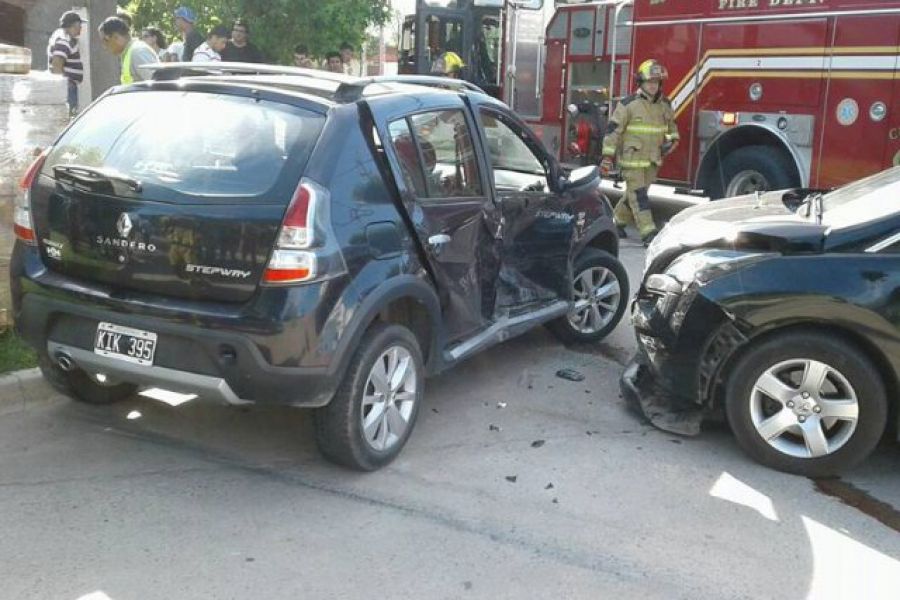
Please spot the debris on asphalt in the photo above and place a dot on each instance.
(570, 375)
(493, 427)
(435, 411)
(537, 443)
(512, 478)
(501, 405)
(549, 486)
(589, 432)
(526, 379)
(556, 501)
(674, 441)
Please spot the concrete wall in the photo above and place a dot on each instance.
(42, 19)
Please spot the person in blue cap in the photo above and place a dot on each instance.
(184, 22)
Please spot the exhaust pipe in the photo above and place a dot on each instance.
(65, 362)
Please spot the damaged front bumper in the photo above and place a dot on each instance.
(640, 389)
(683, 340)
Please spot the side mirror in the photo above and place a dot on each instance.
(580, 177)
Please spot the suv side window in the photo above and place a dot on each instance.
(451, 166)
(408, 155)
(514, 163)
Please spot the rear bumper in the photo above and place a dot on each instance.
(210, 388)
(223, 365)
(228, 357)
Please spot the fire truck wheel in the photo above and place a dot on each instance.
(754, 169)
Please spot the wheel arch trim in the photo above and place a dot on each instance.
(889, 370)
(730, 138)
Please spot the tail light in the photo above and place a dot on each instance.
(303, 248)
(23, 225)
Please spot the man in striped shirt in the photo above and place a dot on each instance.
(63, 56)
(210, 50)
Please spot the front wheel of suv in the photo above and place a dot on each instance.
(806, 403)
(82, 387)
(600, 291)
(373, 412)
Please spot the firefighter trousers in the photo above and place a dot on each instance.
(634, 206)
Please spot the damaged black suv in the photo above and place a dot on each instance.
(783, 311)
(295, 237)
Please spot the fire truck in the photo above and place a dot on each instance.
(767, 93)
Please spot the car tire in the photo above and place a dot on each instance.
(341, 431)
(79, 386)
(590, 269)
(753, 168)
(792, 434)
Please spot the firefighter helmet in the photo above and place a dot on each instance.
(448, 63)
(649, 70)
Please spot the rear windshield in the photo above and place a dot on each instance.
(190, 145)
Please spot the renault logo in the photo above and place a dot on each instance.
(124, 225)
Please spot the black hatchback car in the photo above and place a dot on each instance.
(783, 309)
(295, 237)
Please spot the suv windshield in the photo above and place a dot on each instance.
(865, 200)
(192, 144)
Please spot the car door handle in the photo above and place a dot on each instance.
(439, 239)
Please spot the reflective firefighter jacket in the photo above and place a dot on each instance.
(638, 129)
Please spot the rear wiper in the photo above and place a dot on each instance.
(89, 175)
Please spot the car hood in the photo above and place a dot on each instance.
(750, 223)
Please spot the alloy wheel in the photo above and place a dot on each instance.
(804, 408)
(389, 398)
(597, 297)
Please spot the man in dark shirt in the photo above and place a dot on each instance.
(239, 49)
(184, 22)
(64, 58)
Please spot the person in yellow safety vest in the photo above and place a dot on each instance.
(639, 136)
(133, 53)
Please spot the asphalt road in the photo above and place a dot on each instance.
(573, 497)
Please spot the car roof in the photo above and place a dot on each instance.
(322, 86)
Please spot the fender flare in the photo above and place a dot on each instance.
(396, 288)
(602, 226)
(772, 134)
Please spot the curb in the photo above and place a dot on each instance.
(24, 390)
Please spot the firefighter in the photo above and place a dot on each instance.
(449, 64)
(640, 134)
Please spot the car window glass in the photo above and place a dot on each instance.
(514, 164)
(451, 167)
(408, 157)
(195, 144)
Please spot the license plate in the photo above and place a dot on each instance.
(125, 343)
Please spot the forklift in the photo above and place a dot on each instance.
(473, 29)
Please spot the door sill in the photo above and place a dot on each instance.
(505, 328)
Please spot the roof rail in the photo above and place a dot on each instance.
(353, 90)
(170, 71)
(350, 89)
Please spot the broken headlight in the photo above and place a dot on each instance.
(703, 266)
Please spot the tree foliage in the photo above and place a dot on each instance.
(276, 26)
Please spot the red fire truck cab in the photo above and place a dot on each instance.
(776, 93)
